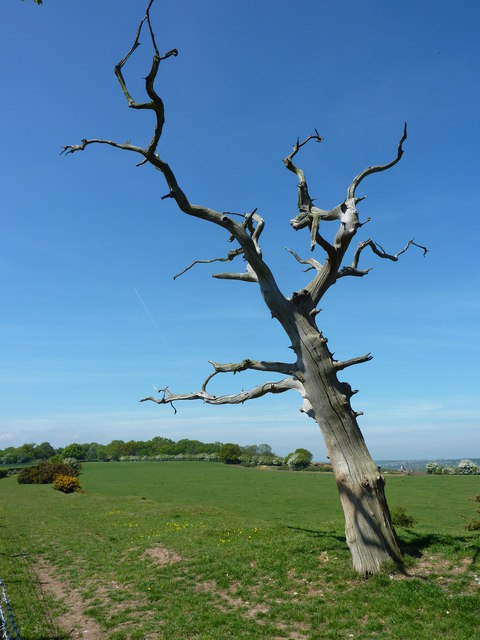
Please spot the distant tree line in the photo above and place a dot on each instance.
(159, 449)
(115, 450)
(463, 468)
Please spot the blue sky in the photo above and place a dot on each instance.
(92, 318)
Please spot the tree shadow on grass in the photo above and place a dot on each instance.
(411, 543)
(317, 533)
(336, 539)
(414, 544)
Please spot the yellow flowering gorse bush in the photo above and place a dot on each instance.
(67, 484)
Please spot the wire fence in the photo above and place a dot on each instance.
(8, 630)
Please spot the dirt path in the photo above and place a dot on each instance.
(74, 621)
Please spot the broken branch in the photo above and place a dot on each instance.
(228, 258)
(343, 364)
(247, 276)
(254, 365)
(126, 146)
(350, 271)
(380, 251)
(239, 398)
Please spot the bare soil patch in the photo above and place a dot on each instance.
(73, 621)
(445, 571)
(162, 556)
(228, 600)
(228, 597)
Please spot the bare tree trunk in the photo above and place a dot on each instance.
(368, 528)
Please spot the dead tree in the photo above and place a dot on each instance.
(313, 374)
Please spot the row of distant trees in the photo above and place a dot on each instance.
(115, 450)
(158, 449)
(463, 468)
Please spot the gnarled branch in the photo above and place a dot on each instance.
(314, 264)
(238, 398)
(249, 274)
(377, 168)
(126, 146)
(309, 215)
(228, 258)
(247, 241)
(350, 271)
(380, 251)
(303, 195)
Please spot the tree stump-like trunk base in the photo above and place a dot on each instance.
(369, 533)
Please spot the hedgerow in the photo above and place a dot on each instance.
(45, 472)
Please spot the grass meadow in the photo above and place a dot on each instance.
(205, 550)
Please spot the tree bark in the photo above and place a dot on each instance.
(368, 529)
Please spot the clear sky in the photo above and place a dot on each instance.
(92, 318)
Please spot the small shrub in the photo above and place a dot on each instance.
(474, 525)
(466, 467)
(431, 467)
(299, 459)
(400, 518)
(67, 484)
(46, 472)
(3, 473)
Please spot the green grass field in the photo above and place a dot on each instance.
(204, 550)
